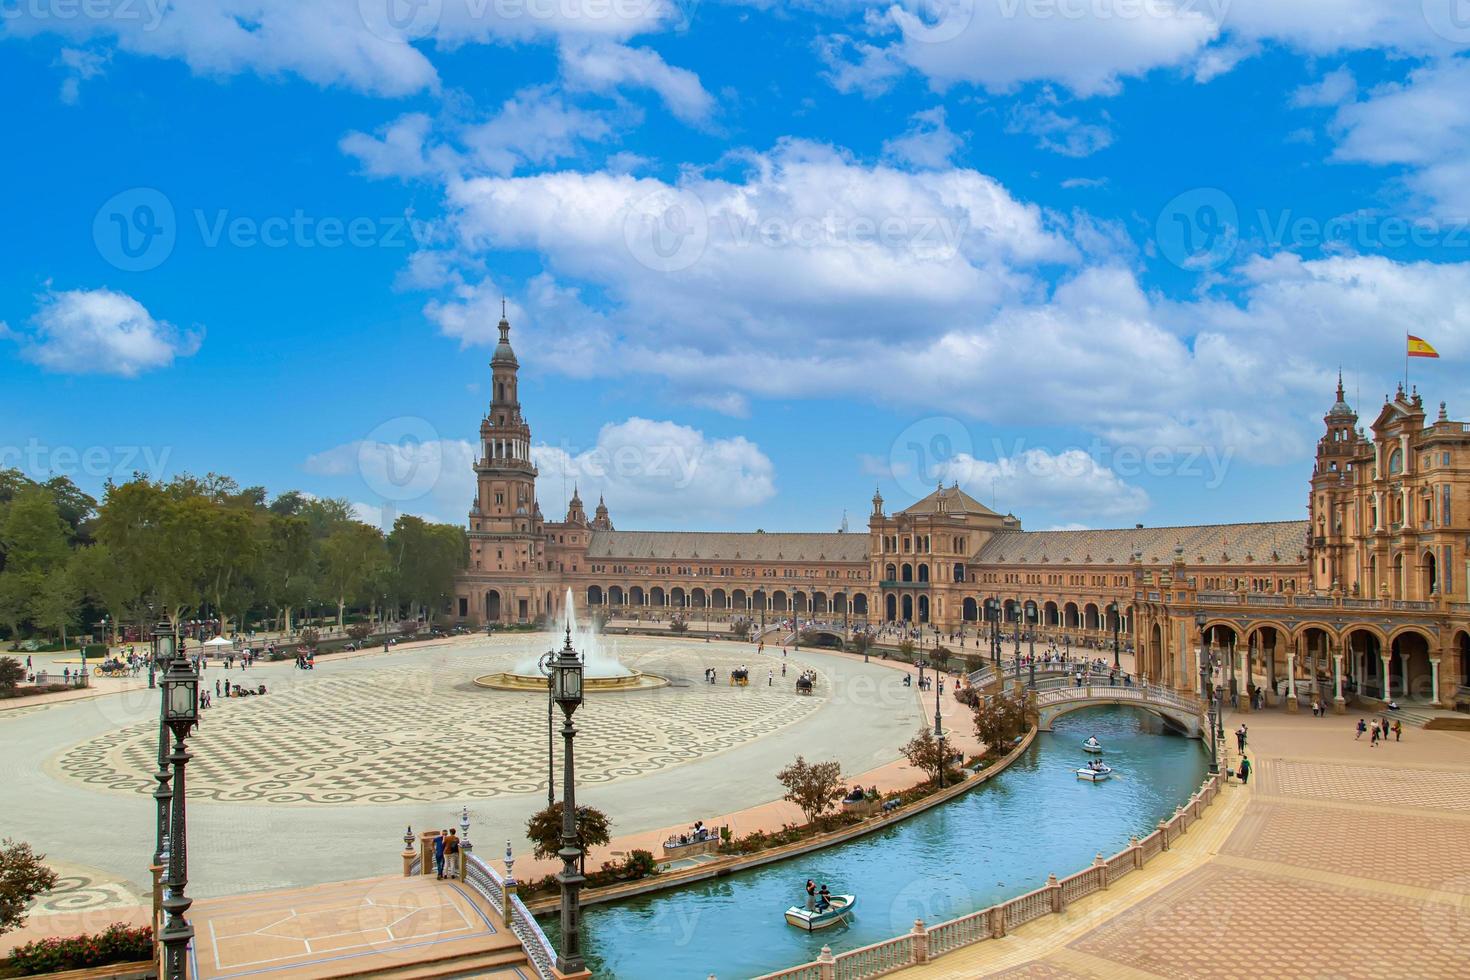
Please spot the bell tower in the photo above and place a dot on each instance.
(506, 499)
(1331, 501)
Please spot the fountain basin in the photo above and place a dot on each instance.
(506, 680)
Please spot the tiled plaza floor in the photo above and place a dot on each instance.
(1339, 860)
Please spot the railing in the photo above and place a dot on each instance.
(964, 931)
(1413, 605)
(533, 940)
(1146, 693)
(925, 943)
(483, 879)
(876, 960)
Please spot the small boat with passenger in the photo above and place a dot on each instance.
(822, 913)
(1095, 771)
(1092, 745)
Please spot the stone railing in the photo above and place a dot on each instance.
(491, 886)
(926, 942)
(533, 940)
(1146, 693)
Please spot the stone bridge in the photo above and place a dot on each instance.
(1178, 712)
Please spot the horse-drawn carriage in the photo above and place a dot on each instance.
(804, 685)
(740, 678)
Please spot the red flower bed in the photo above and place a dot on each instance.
(118, 943)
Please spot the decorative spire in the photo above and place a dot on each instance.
(1443, 417)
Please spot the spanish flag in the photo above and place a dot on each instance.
(1419, 347)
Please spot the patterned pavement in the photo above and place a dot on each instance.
(424, 733)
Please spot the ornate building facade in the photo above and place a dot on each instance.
(1361, 599)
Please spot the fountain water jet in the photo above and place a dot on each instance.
(601, 669)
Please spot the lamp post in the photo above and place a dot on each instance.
(1117, 664)
(993, 607)
(384, 608)
(546, 669)
(1207, 694)
(1031, 643)
(566, 684)
(180, 714)
(938, 727)
(163, 640)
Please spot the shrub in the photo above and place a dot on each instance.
(23, 876)
(11, 673)
(679, 626)
(813, 786)
(359, 631)
(118, 943)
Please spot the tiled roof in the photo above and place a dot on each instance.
(948, 500)
(727, 546)
(1206, 544)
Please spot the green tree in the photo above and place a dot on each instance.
(998, 720)
(352, 558)
(923, 752)
(813, 786)
(543, 830)
(425, 558)
(23, 876)
(11, 673)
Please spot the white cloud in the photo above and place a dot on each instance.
(80, 65)
(604, 66)
(99, 331)
(1333, 88)
(1085, 47)
(1067, 135)
(928, 143)
(352, 43)
(1070, 482)
(1422, 124)
(663, 473)
(402, 467)
(535, 127)
(400, 148)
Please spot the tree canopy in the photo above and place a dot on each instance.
(202, 547)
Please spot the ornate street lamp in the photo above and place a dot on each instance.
(180, 714)
(938, 727)
(384, 610)
(163, 646)
(566, 688)
(1207, 694)
(1117, 664)
(1031, 643)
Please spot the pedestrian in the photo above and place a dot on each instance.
(1240, 738)
(451, 851)
(1398, 730)
(439, 843)
(783, 669)
(216, 687)
(1362, 727)
(1244, 772)
(770, 678)
(1373, 739)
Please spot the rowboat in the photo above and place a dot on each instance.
(1092, 745)
(812, 920)
(1095, 775)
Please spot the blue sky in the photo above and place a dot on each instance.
(1096, 260)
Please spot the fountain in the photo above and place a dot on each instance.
(601, 669)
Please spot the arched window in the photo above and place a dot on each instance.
(1396, 461)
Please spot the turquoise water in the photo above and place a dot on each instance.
(994, 843)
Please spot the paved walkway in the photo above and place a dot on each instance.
(1338, 860)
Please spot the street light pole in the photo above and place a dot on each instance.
(181, 714)
(1207, 695)
(567, 688)
(1117, 664)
